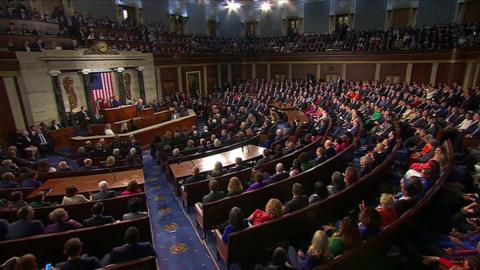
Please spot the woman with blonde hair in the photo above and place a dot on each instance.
(273, 210)
(319, 252)
(217, 143)
(110, 161)
(234, 187)
(386, 209)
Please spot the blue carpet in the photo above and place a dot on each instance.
(177, 244)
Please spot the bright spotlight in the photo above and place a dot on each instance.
(232, 5)
(265, 6)
(282, 2)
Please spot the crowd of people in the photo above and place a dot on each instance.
(154, 37)
(424, 115)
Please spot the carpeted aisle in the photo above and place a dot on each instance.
(175, 239)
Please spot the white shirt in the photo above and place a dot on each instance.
(109, 131)
(465, 124)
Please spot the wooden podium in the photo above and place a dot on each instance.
(112, 115)
(61, 137)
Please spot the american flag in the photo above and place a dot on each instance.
(101, 85)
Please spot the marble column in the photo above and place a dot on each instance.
(121, 85)
(57, 91)
(141, 83)
(86, 84)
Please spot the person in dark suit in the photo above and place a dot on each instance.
(3, 229)
(104, 192)
(41, 141)
(298, 201)
(329, 149)
(83, 118)
(116, 102)
(195, 177)
(132, 249)
(321, 156)
(97, 218)
(73, 250)
(263, 160)
(88, 165)
(279, 175)
(215, 192)
(238, 165)
(25, 225)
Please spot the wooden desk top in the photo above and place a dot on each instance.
(205, 164)
(281, 106)
(89, 183)
(121, 107)
(191, 114)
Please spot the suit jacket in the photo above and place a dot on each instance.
(104, 195)
(236, 168)
(213, 196)
(23, 228)
(84, 262)
(131, 252)
(277, 177)
(97, 220)
(194, 178)
(295, 203)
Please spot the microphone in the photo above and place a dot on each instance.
(113, 174)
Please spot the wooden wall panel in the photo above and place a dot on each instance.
(421, 73)
(393, 69)
(330, 69)
(261, 71)
(7, 122)
(237, 72)
(192, 69)
(212, 77)
(450, 73)
(361, 72)
(299, 71)
(279, 70)
(169, 80)
(471, 11)
(246, 72)
(224, 73)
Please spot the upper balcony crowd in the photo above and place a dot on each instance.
(129, 35)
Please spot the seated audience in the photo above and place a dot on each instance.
(298, 201)
(97, 217)
(370, 222)
(25, 225)
(257, 182)
(238, 165)
(132, 188)
(104, 192)
(195, 177)
(215, 192)
(234, 187)
(320, 192)
(347, 237)
(273, 210)
(135, 206)
(337, 184)
(75, 259)
(72, 196)
(38, 200)
(386, 209)
(279, 175)
(63, 167)
(61, 223)
(236, 222)
(133, 249)
(218, 170)
(318, 252)
(8, 181)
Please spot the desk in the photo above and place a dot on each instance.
(145, 135)
(146, 112)
(206, 164)
(112, 115)
(281, 106)
(89, 183)
(61, 137)
(141, 122)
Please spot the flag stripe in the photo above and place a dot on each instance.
(102, 88)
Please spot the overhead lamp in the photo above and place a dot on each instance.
(282, 2)
(232, 5)
(265, 6)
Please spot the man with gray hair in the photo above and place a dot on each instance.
(279, 175)
(104, 192)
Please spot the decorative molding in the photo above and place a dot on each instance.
(100, 47)
(85, 71)
(54, 72)
(140, 68)
(120, 69)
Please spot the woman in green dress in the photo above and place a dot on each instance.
(346, 238)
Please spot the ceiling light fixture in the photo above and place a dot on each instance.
(232, 5)
(265, 6)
